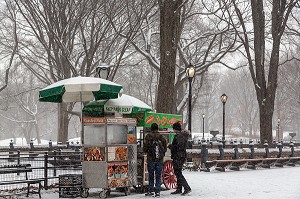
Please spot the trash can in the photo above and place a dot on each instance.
(70, 185)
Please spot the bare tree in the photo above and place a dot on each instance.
(11, 15)
(264, 76)
(136, 16)
(288, 98)
(199, 43)
(244, 109)
(21, 109)
(62, 39)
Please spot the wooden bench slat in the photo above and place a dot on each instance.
(15, 166)
(7, 171)
(20, 181)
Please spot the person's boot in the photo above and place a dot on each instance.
(177, 192)
(186, 192)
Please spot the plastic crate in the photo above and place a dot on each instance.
(70, 185)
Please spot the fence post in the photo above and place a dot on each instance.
(31, 150)
(236, 150)
(251, 146)
(266, 145)
(241, 143)
(18, 160)
(251, 165)
(292, 149)
(11, 151)
(46, 171)
(279, 145)
(50, 145)
(77, 152)
(54, 168)
(221, 150)
(204, 153)
(18, 157)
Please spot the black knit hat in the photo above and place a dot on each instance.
(177, 126)
(154, 127)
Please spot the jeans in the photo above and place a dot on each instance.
(154, 167)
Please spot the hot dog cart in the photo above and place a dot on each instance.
(109, 154)
(113, 136)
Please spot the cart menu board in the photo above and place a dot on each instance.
(94, 154)
(117, 173)
(162, 119)
(117, 153)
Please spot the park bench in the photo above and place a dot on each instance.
(220, 165)
(20, 169)
(235, 164)
(293, 160)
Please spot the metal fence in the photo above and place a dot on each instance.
(46, 165)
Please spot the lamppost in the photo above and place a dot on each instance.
(190, 73)
(223, 100)
(103, 70)
(203, 116)
(278, 128)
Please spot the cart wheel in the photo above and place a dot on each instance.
(126, 191)
(84, 193)
(169, 178)
(108, 193)
(103, 194)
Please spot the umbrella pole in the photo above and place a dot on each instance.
(81, 122)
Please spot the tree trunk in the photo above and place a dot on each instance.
(63, 123)
(37, 130)
(169, 36)
(265, 125)
(265, 84)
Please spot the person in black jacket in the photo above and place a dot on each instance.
(178, 156)
(155, 154)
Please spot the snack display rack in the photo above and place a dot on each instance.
(110, 155)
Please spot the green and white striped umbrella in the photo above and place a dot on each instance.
(80, 89)
(125, 104)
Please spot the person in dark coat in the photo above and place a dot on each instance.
(178, 156)
(154, 163)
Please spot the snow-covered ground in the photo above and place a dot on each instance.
(274, 183)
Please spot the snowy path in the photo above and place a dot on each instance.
(274, 183)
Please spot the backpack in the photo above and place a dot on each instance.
(157, 150)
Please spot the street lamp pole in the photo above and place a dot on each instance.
(190, 73)
(223, 100)
(203, 116)
(278, 128)
(190, 106)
